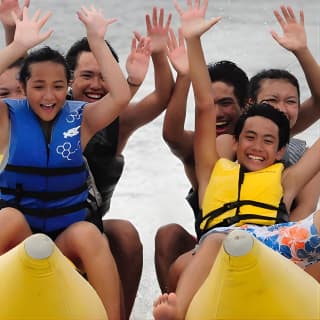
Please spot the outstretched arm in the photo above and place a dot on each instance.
(9, 26)
(99, 114)
(194, 24)
(27, 35)
(138, 62)
(294, 39)
(142, 112)
(179, 140)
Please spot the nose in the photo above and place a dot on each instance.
(96, 82)
(49, 94)
(282, 106)
(257, 145)
(219, 111)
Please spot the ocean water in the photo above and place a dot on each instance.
(152, 189)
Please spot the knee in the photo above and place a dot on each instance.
(13, 219)
(168, 233)
(173, 237)
(122, 234)
(214, 240)
(85, 236)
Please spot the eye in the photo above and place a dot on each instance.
(292, 102)
(268, 141)
(86, 76)
(269, 100)
(4, 94)
(249, 137)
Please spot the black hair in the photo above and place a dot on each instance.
(267, 111)
(231, 74)
(276, 74)
(80, 46)
(42, 55)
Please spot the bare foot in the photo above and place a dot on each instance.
(165, 307)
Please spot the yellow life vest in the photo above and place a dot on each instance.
(236, 197)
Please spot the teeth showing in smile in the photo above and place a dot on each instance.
(221, 123)
(94, 96)
(48, 106)
(255, 158)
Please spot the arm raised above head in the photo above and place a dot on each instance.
(27, 35)
(193, 25)
(6, 7)
(143, 111)
(294, 39)
(101, 113)
(178, 139)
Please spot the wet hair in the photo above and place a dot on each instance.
(267, 111)
(80, 46)
(231, 74)
(275, 74)
(45, 54)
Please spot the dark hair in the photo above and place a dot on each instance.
(42, 55)
(80, 46)
(267, 111)
(231, 74)
(276, 74)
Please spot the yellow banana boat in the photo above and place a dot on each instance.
(251, 281)
(38, 282)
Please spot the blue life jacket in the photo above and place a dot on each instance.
(47, 182)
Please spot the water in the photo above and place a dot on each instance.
(152, 189)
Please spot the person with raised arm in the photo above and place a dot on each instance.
(104, 152)
(173, 243)
(230, 195)
(43, 180)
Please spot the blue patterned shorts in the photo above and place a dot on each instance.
(298, 241)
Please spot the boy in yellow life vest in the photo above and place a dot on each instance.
(236, 195)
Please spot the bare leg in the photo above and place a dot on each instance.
(126, 249)
(177, 268)
(83, 243)
(14, 229)
(175, 308)
(171, 241)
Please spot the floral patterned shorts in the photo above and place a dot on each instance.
(298, 241)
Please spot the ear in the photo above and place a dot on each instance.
(280, 153)
(250, 101)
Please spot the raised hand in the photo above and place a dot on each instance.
(294, 36)
(138, 60)
(193, 22)
(157, 31)
(28, 29)
(7, 6)
(94, 21)
(177, 53)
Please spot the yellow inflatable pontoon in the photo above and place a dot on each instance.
(38, 282)
(251, 281)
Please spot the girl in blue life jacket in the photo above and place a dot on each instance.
(43, 177)
(260, 139)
